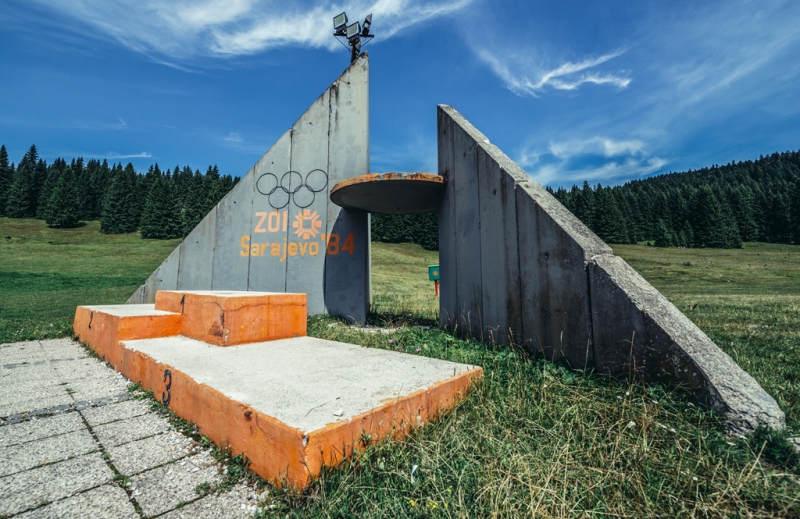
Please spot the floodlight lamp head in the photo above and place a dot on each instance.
(339, 22)
(353, 31)
(367, 23)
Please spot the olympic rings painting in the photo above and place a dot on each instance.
(292, 187)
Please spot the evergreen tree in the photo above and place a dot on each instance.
(120, 214)
(53, 173)
(741, 199)
(608, 221)
(194, 203)
(63, 208)
(688, 234)
(161, 213)
(40, 173)
(100, 177)
(211, 189)
(778, 223)
(794, 211)
(584, 204)
(21, 201)
(6, 178)
(18, 201)
(663, 236)
(713, 228)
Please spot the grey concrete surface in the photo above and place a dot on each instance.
(111, 413)
(163, 488)
(124, 431)
(107, 501)
(239, 503)
(147, 453)
(516, 265)
(304, 382)
(24, 490)
(639, 333)
(47, 450)
(277, 230)
(59, 455)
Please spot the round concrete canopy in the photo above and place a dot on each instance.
(390, 193)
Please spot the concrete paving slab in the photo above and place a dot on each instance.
(25, 490)
(55, 349)
(78, 369)
(26, 456)
(124, 431)
(30, 391)
(38, 428)
(111, 413)
(35, 405)
(99, 388)
(107, 501)
(19, 354)
(238, 503)
(24, 372)
(304, 382)
(164, 488)
(147, 453)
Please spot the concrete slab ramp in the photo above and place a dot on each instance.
(277, 230)
(517, 266)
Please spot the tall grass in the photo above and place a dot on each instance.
(534, 439)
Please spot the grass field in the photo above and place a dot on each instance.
(534, 438)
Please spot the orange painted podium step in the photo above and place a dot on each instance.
(232, 317)
(291, 405)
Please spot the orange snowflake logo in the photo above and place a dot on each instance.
(314, 224)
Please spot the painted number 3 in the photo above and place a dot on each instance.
(166, 397)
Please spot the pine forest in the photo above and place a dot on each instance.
(713, 207)
(160, 204)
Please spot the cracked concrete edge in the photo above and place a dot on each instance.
(638, 332)
(577, 231)
(618, 304)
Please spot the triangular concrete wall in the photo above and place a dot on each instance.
(517, 266)
(277, 229)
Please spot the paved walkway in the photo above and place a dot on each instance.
(75, 443)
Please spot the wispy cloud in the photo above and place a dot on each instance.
(524, 76)
(120, 124)
(596, 159)
(113, 155)
(595, 145)
(185, 29)
(233, 138)
(607, 173)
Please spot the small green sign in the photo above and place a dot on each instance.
(433, 272)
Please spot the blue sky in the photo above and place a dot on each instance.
(598, 91)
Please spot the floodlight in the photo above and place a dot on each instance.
(353, 31)
(339, 21)
(367, 23)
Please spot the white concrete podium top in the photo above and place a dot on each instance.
(304, 382)
(127, 310)
(228, 293)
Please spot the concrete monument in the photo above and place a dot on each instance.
(516, 266)
(277, 229)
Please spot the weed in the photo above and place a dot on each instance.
(534, 438)
(203, 489)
